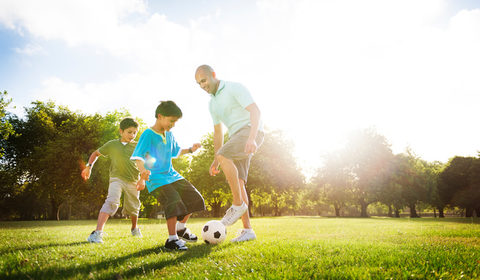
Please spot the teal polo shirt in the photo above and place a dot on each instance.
(228, 105)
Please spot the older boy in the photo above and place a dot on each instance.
(153, 156)
(123, 178)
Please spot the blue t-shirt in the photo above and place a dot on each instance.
(157, 151)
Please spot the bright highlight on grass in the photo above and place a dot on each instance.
(286, 248)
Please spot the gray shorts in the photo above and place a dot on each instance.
(131, 197)
(234, 149)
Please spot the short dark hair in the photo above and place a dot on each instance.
(168, 109)
(128, 122)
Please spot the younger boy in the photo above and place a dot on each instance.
(153, 156)
(123, 178)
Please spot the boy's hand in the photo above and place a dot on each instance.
(214, 168)
(145, 175)
(140, 185)
(196, 146)
(86, 173)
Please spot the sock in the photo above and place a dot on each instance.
(238, 206)
(172, 237)
(249, 230)
(181, 226)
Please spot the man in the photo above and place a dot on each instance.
(232, 105)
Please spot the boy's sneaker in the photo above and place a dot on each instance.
(175, 245)
(96, 237)
(233, 214)
(137, 233)
(186, 235)
(244, 235)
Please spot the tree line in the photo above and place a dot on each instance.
(43, 152)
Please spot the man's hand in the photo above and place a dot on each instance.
(250, 146)
(86, 173)
(214, 168)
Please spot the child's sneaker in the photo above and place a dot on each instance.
(186, 235)
(233, 214)
(137, 233)
(245, 235)
(175, 245)
(96, 237)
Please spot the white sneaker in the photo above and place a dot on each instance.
(244, 235)
(233, 214)
(137, 233)
(96, 237)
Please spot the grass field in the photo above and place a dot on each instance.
(286, 248)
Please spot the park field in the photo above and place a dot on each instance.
(286, 248)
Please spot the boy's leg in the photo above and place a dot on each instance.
(173, 242)
(102, 220)
(134, 221)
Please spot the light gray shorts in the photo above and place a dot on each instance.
(234, 149)
(131, 197)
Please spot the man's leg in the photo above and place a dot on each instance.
(231, 173)
(246, 216)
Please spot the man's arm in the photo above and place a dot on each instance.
(251, 145)
(144, 174)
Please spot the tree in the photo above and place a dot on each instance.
(214, 189)
(458, 186)
(367, 155)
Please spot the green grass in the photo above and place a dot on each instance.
(286, 248)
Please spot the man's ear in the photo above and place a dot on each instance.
(214, 75)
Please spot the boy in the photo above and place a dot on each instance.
(153, 156)
(123, 178)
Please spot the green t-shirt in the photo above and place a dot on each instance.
(121, 166)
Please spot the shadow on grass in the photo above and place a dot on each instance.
(83, 271)
(39, 246)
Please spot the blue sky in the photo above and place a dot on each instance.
(317, 69)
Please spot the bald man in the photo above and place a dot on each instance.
(232, 105)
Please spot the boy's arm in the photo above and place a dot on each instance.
(190, 150)
(144, 174)
(88, 167)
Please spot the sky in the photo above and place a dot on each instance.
(317, 69)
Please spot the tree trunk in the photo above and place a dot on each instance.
(54, 210)
(363, 207)
(468, 212)
(397, 213)
(440, 212)
(249, 202)
(434, 212)
(477, 210)
(337, 210)
(390, 214)
(413, 211)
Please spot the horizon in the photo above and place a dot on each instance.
(317, 69)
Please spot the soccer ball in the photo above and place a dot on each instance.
(214, 232)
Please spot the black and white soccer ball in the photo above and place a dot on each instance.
(214, 232)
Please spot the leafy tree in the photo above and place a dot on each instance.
(274, 170)
(214, 189)
(458, 187)
(367, 156)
